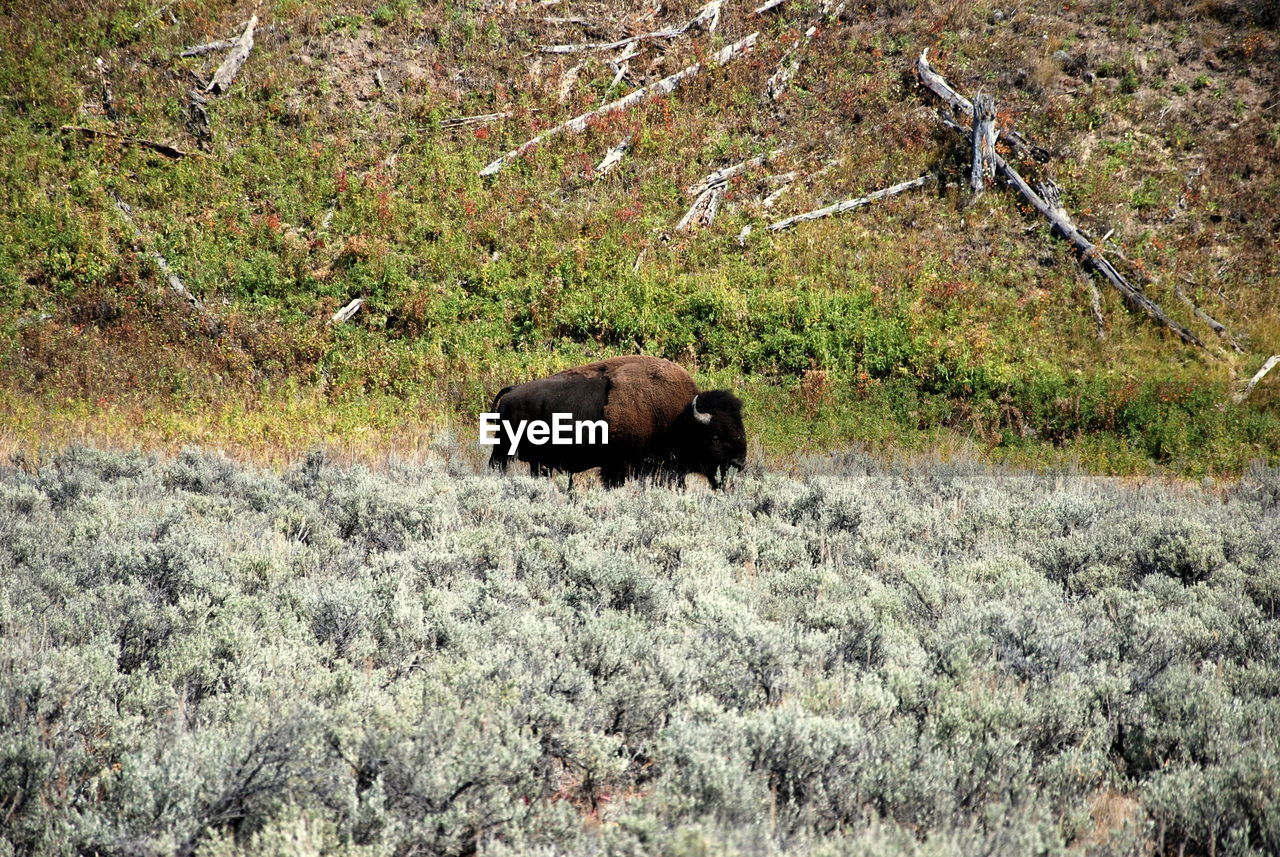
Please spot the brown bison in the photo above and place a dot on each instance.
(644, 417)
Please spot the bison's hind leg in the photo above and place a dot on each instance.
(613, 476)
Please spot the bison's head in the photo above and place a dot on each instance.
(709, 437)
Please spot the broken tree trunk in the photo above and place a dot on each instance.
(1089, 254)
(613, 157)
(198, 117)
(162, 148)
(347, 311)
(1253, 382)
(108, 97)
(850, 204)
(984, 142)
(230, 67)
(578, 124)
(704, 208)
(1095, 304)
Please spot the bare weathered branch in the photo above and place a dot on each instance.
(1090, 255)
(1253, 382)
(579, 123)
(162, 148)
(850, 204)
(230, 67)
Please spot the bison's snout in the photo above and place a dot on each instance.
(739, 463)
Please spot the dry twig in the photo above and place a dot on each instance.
(578, 124)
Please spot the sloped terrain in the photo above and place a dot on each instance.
(202, 658)
(331, 171)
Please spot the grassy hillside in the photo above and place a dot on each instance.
(202, 658)
(919, 322)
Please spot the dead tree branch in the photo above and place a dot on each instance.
(1253, 382)
(161, 148)
(850, 204)
(230, 67)
(1089, 254)
(579, 123)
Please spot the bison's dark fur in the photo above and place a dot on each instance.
(649, 406)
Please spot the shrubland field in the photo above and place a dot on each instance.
(202, 658)
(330, 172)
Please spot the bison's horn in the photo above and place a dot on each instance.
(698, 415)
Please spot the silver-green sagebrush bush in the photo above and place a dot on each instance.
(199, 658)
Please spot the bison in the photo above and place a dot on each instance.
(659, 425)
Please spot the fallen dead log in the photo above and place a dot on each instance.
(161, 148)
(1214, 325)
(708, 19)
(722, 175)
(1089, 254)
(230, 67)
(482, 118)
(765, 7)
(139, 243)
(1253, 382)
(578, 124)
(850, 204)
(347, 311)
(207, 48)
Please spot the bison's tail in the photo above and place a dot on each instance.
(498, 397)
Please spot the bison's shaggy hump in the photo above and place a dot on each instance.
(644, 395)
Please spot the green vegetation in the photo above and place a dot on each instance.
(917, 323)
(199, 658)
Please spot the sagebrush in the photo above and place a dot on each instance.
(203, 658)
